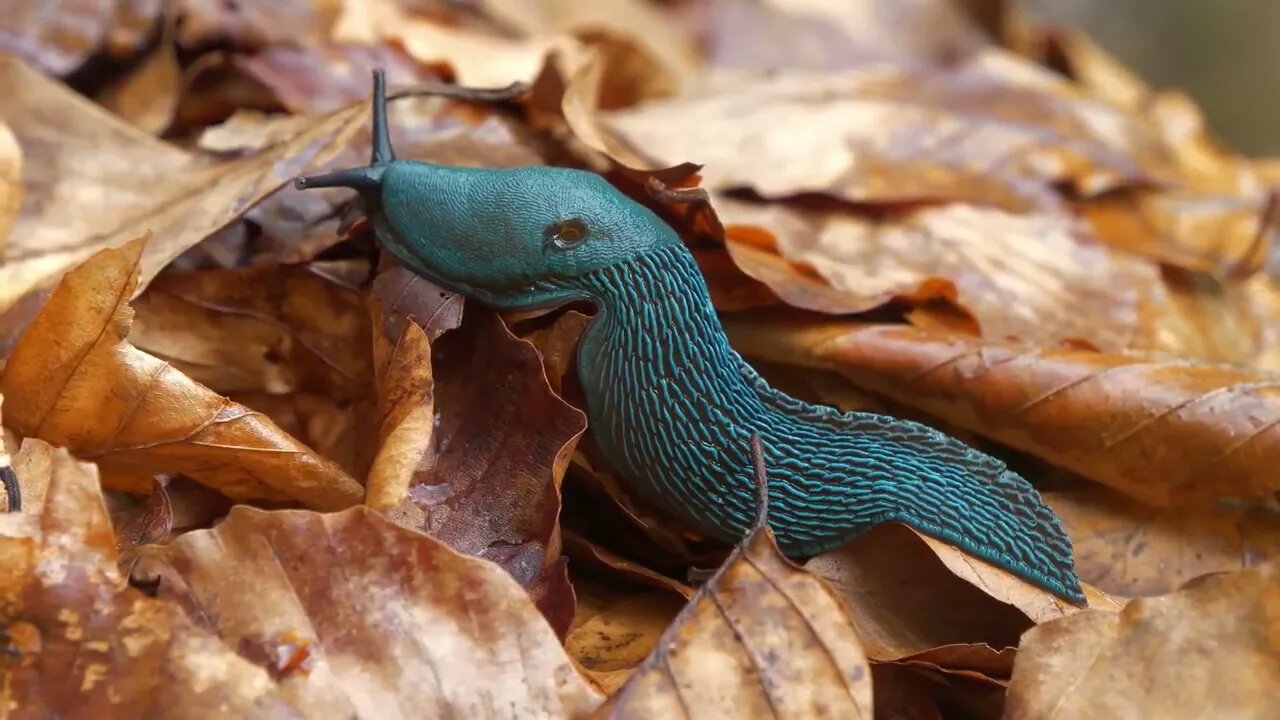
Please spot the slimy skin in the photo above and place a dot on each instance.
(669, 402)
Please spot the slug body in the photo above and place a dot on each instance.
(669, 402)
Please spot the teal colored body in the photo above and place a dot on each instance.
(669, 402)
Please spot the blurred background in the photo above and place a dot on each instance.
(1224, 53)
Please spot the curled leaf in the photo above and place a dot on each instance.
(75, 381)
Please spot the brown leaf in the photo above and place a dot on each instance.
(94, 181)
(406, 412)
(1035, 277)
(1127, 548)
(148, 97)
(333, 429)
(613, 631)
(152, 522)
(806, 35)
(1206, 651)
(905, 597)
(75, 381)
(490, 483)
(393, 623)
(80, 643)
(982, 134)
(1162, 431)
(1219, 320)
(589, 556)
(57, 36)
(762, 638)
(10, 182)
(254, 24)
(275, 328)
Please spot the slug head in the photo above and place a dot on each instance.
(511, 238)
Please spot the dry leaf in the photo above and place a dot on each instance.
(405, 408)
(1220, 320)
(1162, 431)
(254, 23)
(614, 630)
(394, 623)
(59, 35)
(11, 189)
(1206, 651)
(490, 485)
(275, 328)
(335, 430)
(588, 556)
(1127, 548)
(75, 381)
(148, 97)
(762, 638)
(818, 35)
(93, 181)
(80, 643)
(1034, 277)
(905, 600)
(891, 136)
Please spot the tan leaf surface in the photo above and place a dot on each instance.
(10, 181)
(1209, 650)
(1035, 277)
(1162, 431)
(614, 630)
(1130, 549)
(334, 430)
(273, 328)
(80, 643)
(888, 136)
(406, 412)
(905, 596)
(394, 623)
(93, 181)
(762, 638)
(1220, 320)
(75, 381)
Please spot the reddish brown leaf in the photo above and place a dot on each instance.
(588, 555)
(75, 381)
(1162, 431)
(148, 97)
(363, 617)
(405, 412)
(490, 484)
(1138, 662)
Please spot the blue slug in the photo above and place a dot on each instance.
(669, 402)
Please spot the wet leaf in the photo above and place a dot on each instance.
(75, 381)
(1034, 277)
(1127, 548)
(885, 136)
(94, 182)
(1137, 663)
(1163, 431)
(762, 638)
(80, 643)
(393, 623)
